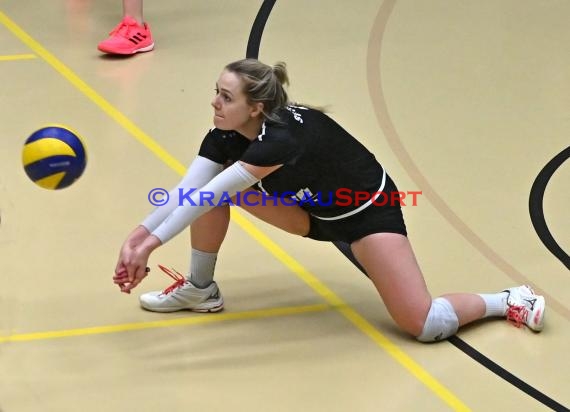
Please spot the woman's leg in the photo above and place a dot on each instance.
(207, 234)
(134, 9)
(201, 293)
(389, 260)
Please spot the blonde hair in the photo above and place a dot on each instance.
(263, 84)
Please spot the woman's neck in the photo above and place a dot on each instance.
(251, 129)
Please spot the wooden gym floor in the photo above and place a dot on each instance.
(465, 101)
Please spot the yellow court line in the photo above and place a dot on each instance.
(330, 297)
(11, 57)
(194, 320)
(352, 315)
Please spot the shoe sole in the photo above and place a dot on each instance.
(537, 320)
(208, 309)
(141, 50)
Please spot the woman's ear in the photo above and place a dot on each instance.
(256, 109)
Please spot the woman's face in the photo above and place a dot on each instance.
(231, 109)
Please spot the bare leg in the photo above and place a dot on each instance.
(133, 8)
(207, 234)
(469, 307)
(209, 231)
(389, 261)
(391, 265)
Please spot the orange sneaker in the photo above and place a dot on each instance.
(129, 37)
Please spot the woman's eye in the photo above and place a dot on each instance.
(224, 96)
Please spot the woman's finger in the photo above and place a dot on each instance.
(140, 274)
(120, 280)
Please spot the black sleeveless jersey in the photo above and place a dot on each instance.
(318, 156)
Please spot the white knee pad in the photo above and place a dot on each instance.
(441, 322)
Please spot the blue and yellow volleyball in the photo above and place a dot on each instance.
(54, 157)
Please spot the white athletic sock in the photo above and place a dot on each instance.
(495, 304)
(202, 265)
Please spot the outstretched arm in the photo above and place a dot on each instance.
(221, 188)
(200, 172)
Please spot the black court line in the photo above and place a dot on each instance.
(506, 375)
(535, 205)
(256, 32)
(253, 46)
(476, 355)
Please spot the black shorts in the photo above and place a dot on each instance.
(373, 219)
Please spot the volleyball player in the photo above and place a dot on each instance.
(263, 142)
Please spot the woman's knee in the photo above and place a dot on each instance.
(412, 322)
(440, 323)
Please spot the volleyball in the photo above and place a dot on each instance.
(54, 157)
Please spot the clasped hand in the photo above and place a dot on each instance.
(132, 265)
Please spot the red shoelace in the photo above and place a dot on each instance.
(179, 279)
(517, 315)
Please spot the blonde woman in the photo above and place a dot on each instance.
(286, 164)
